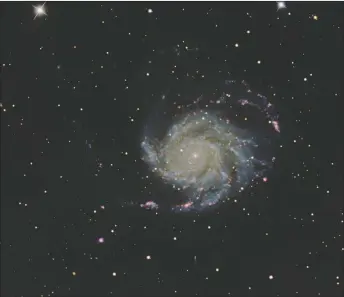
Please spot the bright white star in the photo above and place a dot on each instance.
(281, 5)
(40, 10)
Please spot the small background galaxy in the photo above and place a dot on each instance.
(96, 97)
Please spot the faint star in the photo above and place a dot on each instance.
(281, 5)
(39, 10)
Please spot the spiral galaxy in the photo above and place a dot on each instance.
(205, 155)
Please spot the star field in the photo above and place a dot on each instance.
(78, 210)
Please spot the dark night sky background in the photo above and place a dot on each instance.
(95, 56)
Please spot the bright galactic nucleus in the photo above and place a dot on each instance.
(212, 147)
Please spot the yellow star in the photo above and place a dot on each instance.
(40, 10)
(281, 5)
